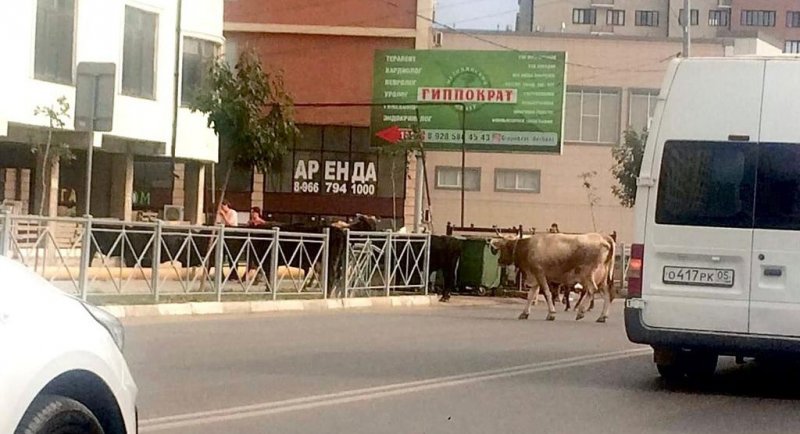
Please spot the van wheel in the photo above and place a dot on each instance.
(670, 372)
(53, 414)
(700, 366)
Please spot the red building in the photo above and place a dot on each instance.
(325, 52)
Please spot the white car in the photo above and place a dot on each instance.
(61, 363)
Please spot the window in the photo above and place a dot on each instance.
(449, 177)
(584, 16)
(231, 53)
(641, 109)
(55, 36)
(592, 115)
(778, 191)
(758, 18)
(647, 18)
(139, 53)
(198, 54)
(793, 19)
(707, 184)
(719, 18)
(615, 17)
(792, 47)
(522, 181)
(695, 17)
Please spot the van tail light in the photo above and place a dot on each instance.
(635, 267)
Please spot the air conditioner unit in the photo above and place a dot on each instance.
(438, 37)
(173, 213)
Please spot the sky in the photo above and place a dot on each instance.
(477, 14)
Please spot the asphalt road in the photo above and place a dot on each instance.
(434, 370)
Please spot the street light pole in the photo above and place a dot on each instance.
(463, 159)
(687, 24)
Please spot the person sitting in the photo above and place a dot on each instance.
(256, 221)
(227, 215)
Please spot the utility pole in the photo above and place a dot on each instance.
(687, 25)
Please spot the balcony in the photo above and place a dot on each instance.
(608, 3)
(602, 29)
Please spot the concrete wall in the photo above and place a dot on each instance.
(99, 37)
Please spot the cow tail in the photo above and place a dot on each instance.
(610, 267)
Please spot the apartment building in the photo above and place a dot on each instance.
(779, 19)
(152, 125)
(325, 51)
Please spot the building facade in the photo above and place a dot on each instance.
(612, 84)
(779, 19)
(325, 53)
(152, 124)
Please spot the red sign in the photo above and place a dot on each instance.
(392, 134)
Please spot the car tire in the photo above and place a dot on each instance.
(53, 414)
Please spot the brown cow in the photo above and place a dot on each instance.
(586, 259)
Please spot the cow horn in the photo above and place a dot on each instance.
(497, 231)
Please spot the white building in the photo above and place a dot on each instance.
(47, 39)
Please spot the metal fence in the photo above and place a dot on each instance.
(96, 257)
(386, 263)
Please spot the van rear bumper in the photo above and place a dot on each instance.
(732, 344)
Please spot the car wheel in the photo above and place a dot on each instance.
(53, 414)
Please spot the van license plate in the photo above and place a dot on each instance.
(698, 276)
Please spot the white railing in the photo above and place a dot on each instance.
(95, 257)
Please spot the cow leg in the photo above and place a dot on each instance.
(606, 305)
(589, 288)
(548, 295)
(532, 294)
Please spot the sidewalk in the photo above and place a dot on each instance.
(264, 306)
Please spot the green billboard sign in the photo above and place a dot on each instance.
(514, 100)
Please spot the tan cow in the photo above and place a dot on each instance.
(585, 259)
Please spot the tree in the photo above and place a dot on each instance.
(591, 193)
(411, 144)
(49, 153)
(251, 112)
(628, 161)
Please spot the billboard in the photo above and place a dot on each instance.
(514, 100)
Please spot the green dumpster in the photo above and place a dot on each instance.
(478, 267)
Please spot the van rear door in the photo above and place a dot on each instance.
(775, 287)
(699, 230)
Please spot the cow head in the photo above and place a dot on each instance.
(505, 248)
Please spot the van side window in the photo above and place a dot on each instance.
(707, 184)
(778, 194)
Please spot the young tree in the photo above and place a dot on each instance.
(49, 153)
(628, 160)
(407, 148)
(591, 193)
(251, 112)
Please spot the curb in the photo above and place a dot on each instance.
(262, 306)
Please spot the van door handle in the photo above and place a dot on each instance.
(773, 272)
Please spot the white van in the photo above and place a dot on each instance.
(716, 267)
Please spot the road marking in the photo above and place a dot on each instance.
(349, 396)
